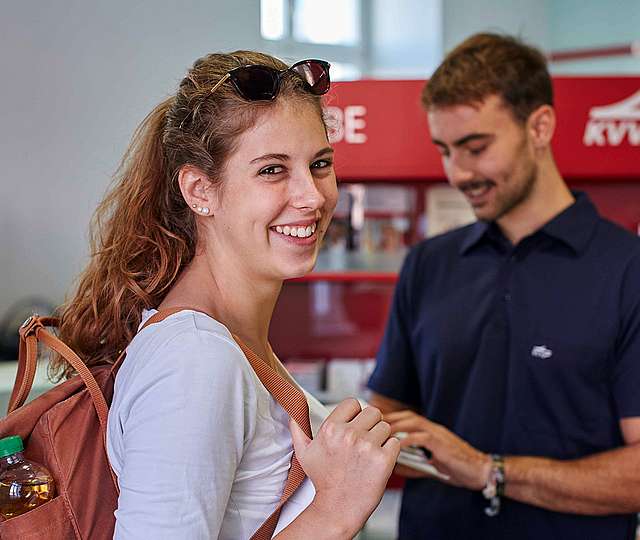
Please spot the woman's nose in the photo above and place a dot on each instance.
(306, 193)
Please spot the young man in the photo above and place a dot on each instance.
(512, 350)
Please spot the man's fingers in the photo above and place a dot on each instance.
(408, 472)
(399, 415)
(418, 438)
(408, 425)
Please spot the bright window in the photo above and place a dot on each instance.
(330, 22)
(327, 29)
(272, 19)
(341, 71)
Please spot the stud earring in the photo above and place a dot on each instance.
(205, 210)
(194, 205)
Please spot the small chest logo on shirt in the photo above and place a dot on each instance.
(541, 351)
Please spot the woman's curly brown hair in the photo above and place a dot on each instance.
(143, 233)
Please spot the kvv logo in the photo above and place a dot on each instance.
(613, 124)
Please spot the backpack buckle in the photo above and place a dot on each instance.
(30, 325)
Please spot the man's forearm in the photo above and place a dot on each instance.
(606, 483)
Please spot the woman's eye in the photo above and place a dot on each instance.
(271, 170)
(321, 164)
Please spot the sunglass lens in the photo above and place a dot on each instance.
(255, 83)
(315, 73)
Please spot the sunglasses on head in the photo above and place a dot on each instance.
(262, 83)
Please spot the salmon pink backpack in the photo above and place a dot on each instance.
(65, 429)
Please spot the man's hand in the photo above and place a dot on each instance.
(466, 466)
(599, 484)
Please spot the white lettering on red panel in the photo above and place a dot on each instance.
(612, 124)
(347, 124)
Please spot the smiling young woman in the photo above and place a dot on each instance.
(226, 191)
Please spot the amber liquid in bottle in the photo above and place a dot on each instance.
(24, 484)
(16, 498)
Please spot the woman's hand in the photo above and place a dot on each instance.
(349, 462)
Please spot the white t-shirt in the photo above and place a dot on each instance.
(200, 448)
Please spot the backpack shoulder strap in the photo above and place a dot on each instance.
(32, 331)
(160, 316)
(294, 402)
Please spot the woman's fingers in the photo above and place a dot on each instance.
(345, 411)
(368, 418)
(348, 417)
(392, 445)
(379, 433)
(298, 437)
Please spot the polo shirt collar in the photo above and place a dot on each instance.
(573, 227)
(476, 234)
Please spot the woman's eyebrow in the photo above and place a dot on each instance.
(268, 157)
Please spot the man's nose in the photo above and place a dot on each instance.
(457, 172)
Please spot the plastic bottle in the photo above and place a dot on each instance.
(24, 484)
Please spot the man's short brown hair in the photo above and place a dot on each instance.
(486, 64)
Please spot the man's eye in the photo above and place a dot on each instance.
(477, 151)
(272, 169)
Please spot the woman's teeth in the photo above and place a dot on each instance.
(300, 232)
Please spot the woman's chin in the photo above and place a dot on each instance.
(300, 270)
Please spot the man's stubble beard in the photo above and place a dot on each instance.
(511, 200)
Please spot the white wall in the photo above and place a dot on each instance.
(77, 77)
(578, 24)
(552, 25)
(406, 38)
(527, 19)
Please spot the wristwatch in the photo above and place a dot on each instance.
(495, 485)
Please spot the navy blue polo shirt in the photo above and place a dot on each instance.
(525, 350)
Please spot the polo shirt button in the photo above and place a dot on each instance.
(507, 297)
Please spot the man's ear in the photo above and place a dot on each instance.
(198, 191)
(541, 125)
